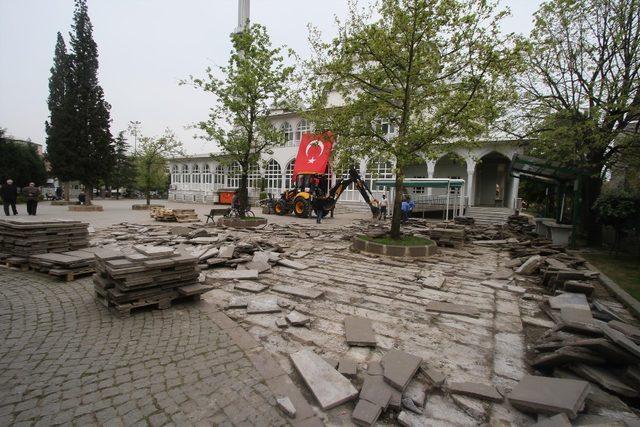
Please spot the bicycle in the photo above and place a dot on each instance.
(235, 213)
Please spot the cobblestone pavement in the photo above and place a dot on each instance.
(64, 359)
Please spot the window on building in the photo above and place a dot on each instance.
(206, 174)
(418, 190)
(378, 170)
(195, 173)
(175, 174)
(388, 127)
(219, 176)
(273, 174)
(186, 177)
(254, 176)
(287, 134)
(289, 173)
(234, 175)
(302, 127)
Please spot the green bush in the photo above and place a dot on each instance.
(619, 209)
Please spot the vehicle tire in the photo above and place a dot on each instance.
(280, 207)
(249, 213)
(301, 207)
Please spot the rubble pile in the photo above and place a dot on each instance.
(520, 224)
(464, 220)
(448, 237)
(22, 237)
(151, 275)
(174, 215)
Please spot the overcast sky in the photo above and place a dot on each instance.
(146, 47)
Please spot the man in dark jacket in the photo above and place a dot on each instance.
(31, 193)
(9, 194)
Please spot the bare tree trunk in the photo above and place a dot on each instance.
(88, 192)
(244, 191)
(147, 187)
(397, 204)
(67, 187)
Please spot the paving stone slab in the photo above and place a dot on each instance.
(226, 251)
(154, 251)
(247, 285)
(449, 308)
(544, 395)
(366, 413)
(480, 391)
(614, 354)
(622, 340)
(530, 265)
(432, 282)
(565, 355)
(327, 385)
(569, 299)
(263, 305)
(359, 331)
(436, 377)
(632, 332)
(238, 302)
(575, 315)
(375, 368)
(399, 368)
(347, 367)
(558, 420)
(296, 265)
(235, 274)
(285, 404)
(376, 390)
(298, 319)
(298, 291)
(408, 419)
(604, 379)
(417, 392)
(281, 322)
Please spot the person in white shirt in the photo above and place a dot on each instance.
(383, 207)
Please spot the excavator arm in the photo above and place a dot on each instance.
(354, 178)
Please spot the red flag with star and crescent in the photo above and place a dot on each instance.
(313, 153)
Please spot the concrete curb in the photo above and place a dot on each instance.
(275, 378)
(630, 302)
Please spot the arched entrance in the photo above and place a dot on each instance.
(492, 183)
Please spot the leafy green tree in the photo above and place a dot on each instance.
(93, 150)
(152, 161)
(20, 162)
(436, 70)
(124, 170)
(255, 79)
(60, 142)
(619, 209)
(581, 88)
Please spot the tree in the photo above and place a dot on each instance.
(581, 90)
(124, 169)
(152, 161)
(435, 70)
(60, 141)
(619, 209)
(93, 150)
(20, 162)
(255, 80)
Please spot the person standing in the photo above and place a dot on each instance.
(318, 208)
(383, 207)
(9, 197)
(31, 193)
(404, 207)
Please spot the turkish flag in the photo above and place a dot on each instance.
(313, 153)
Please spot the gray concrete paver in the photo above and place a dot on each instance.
(64, 359)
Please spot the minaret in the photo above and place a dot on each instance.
(243, 15)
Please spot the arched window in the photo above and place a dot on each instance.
(219, 177)
(206, 174)
(302, 128)
(195, 173)
(175, 174)
(388, 127)
(289, 174)
(234, 175)
(287, 134)
(253, 176)
(186, 177)
(273, 174)
(378, 170)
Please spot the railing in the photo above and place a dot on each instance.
(439, 201)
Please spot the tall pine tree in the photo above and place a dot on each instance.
(60, 150)
(95, 151)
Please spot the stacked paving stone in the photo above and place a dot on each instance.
(520, 224)
(23, 237)
(174, 215)
(153, 275)
(65, 265)
(449, 237)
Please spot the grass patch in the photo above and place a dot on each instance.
(403, 241)
(622, 269)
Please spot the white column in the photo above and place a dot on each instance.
(471, 169)
(431, 168)
(515, 182)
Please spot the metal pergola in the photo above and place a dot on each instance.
(448, 183)
(552, 173)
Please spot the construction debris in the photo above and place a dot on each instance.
(550, 396)
(174, 215)
(359, 331)
(481, 391)
(449, 308)
(399, 368)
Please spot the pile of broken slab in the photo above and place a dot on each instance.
(150, 275)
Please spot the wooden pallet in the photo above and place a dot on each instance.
(22, 265)
(70, 276)
(159, 303)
